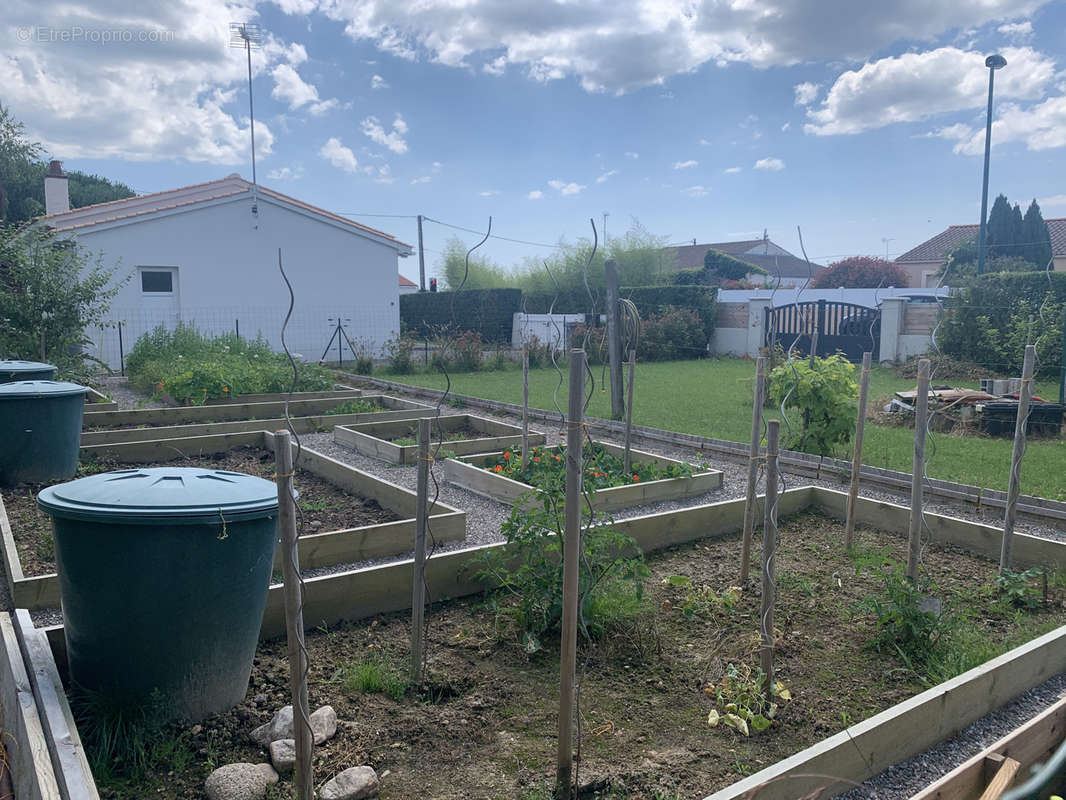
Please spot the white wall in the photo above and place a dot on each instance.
(228, 270)
(551, 329)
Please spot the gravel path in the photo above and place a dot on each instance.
(118, 389)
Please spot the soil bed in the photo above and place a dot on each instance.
(410, 436)
(320, 501)
(485, 726)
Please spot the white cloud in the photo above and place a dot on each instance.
(786, 126)
(1017, 31)
(603, 178)
(773, 164)
(421, 179)
(630, 154)
(488, 193)
(536, 194)
(695, 191)
(377, 82)
(393, 139)
(731, 170)
(436, 165)
(286, 173)
(1040, 127)
(630, 44)
(290, 88)
(564, 188)
(914, 86)
(495, 67)
(686, 164)
(705, 142)
(338, 155)
(806, 93)
(1054, 201)
(382, 174)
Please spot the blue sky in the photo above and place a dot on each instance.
(703, 120)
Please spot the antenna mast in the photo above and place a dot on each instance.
(249, 36)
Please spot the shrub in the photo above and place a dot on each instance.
(467, 349)
(50, 292)
(726, 268)
(191, 367)
(594, 340)
(676, 333)
(860, 272)
(400, 352)
(824, 399)
(540, 353)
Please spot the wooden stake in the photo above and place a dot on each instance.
(921, 417)
(769, 551)
(1015, 480)
(418, 577)
(614, 338)
(856, 456)
(753, 465)
(626, 461)
(571, 558)
(303, 779)
(525, 405)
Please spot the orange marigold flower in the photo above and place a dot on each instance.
(498, 468)
(537, 460)
(636, 479)
(506, 454)
(225, 389)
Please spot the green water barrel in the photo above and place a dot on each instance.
(163, 577)
(26, 371)
(40, 431)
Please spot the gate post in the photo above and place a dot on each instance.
(819, 328)
(758, 309)
(891, 328)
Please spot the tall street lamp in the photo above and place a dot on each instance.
(993, 63)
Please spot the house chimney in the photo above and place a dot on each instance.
(56, 190)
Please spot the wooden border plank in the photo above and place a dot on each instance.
(27, 747)
(69, 761)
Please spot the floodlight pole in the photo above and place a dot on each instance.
(993, 63)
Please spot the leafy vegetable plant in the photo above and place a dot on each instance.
(546, 468)
(741, 700)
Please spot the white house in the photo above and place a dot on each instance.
(208, 254)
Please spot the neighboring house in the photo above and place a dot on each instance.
(407, 286)
(776, 260)
(207, 254)
(923, 262)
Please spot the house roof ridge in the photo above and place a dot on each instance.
(94, 206)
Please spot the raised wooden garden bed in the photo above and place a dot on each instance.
(360, 515)
(463, 434)
(484, 726)
(340, 393)
(160, 417)
(307, 417)
(470, 473)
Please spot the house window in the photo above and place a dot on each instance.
(157, 281)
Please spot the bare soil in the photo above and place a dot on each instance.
(484, 725)
(320, 501)
(452, 435)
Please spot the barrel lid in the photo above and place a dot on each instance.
(178, 494)
(19, 390)
(13, 367)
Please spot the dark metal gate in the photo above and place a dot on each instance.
(842, 327)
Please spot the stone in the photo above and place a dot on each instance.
(283, 754)
(279, 727)
(355, 783)
(241, 781)
(323, 724)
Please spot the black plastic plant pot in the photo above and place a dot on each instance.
(40, 431)
(163, 578)
(11, 371)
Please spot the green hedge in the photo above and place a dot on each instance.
(650, 300)
(489, 312)
(987, 322)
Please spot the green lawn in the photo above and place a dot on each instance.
(713, 397)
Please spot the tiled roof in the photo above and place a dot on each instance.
(143, 204)
(406, 282)
(690, 256)
(936, 249)
(785, 266)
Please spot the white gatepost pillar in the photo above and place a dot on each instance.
(757, 307)
(891, 328)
